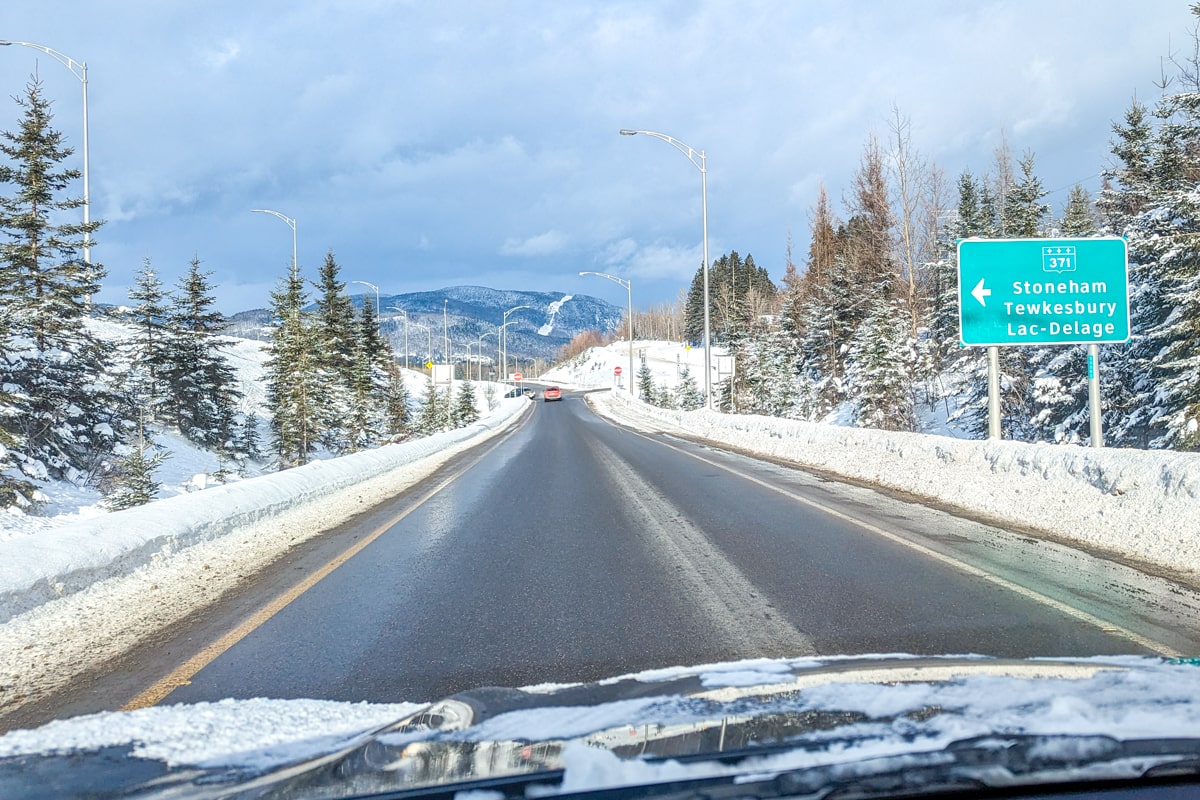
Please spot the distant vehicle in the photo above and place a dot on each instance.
(528, 393)
(551, 393)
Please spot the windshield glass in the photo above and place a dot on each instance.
(436, 393)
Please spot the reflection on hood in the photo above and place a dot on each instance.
(824, 719)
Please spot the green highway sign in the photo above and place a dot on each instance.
(1043, 291)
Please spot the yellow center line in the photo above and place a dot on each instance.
(182, 675)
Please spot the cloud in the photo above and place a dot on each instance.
(543, 244)
(226, 52)
(654, 261)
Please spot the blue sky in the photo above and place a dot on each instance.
(435, 144)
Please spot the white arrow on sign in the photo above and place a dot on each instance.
(979, 293)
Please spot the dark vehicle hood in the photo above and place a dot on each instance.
(813, 722)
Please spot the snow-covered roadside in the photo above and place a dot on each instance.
(75, 596)
(1142, 504)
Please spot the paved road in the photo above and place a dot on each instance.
(577, 549)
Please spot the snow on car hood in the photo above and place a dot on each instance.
(756, 717)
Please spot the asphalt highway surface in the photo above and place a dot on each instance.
(571, 548)
(576, 549)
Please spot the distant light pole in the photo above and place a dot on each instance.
(702, 165)
(504, 336)
(405, 313)
(629, 292)
(482, 336)
(502, 351)
(291, 222)
(428, 330)
(445, 331)
(80, 72)
(376, 288)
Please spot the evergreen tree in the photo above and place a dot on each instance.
(149, 349)
(68, 418)
(131, 481)
(736, 288)
(822, 347)
(645, 382)
(1078, 219)
(296, 377)
(432, 418)
(396, 403)
(360, 427)
(880, 370)
(767, 365)
(466, 410)
(336, 319)
(1024, 212)
(688, 396)
(1165, 240)
(202, 396)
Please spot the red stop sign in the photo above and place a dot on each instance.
(616, 370)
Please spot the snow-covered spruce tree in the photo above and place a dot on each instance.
(688, 396)
(130, 481)
(663, 397)
(56, 366)
(336, 320)
(1166, 238)
(432, 418)
(15, 488)
(820, 356)
(360, 427)
(202, 395)
(465, 411)
(767, 364)
(296, 376)
(645, 382)
(880, 366)
(1127, 380)
(396, 409)
(148, 350)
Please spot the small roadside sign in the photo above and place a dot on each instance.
(517, 376)
(1043, 291)
(616, 370)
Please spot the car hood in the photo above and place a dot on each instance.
(807, 724)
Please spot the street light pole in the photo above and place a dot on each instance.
(504, 336)
(700, 162)
(628, 284)
(429, 345)
(405, 313)
(376, 288)
(482, 336)
(445, 331)
(502, 351)
(291, 222)
(79, 71)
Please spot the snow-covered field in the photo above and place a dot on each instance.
(1141, 504)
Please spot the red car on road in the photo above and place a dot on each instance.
(551, 393)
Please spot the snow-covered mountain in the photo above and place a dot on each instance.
(551, 320)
